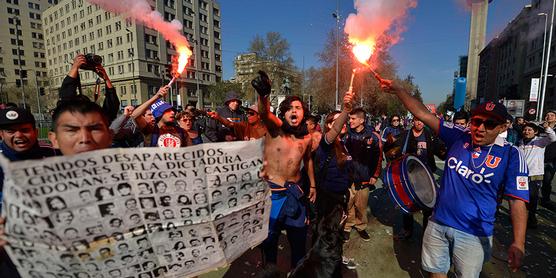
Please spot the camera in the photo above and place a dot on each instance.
(92, 61)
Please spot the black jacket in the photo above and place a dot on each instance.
(217, 132)
(434, 146)
(110, 106)
(365, 148)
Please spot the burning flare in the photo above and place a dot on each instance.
(183, 59)
(141, 12)
(376, 20)
(363, 50)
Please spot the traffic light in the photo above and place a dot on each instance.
(41, 91)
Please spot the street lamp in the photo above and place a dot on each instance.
(16, 19)
(200, 104)
(539, 116)
(2, 82)
(134, 89)
(336, 15)
(38, 95)
(547, 64)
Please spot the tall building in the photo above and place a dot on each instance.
(286, 80)
(514, 57)
(136, 57)
(477, 34)
(22, 52)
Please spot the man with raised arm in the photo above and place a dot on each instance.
(165, 133)
(287, 144)
(479, 166)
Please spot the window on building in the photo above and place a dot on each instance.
(169, 3)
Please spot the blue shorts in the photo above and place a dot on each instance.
(443, 245)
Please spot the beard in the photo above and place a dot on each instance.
(298, 131)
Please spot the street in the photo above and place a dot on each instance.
(385, 257)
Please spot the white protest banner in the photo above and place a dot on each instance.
(145, 212)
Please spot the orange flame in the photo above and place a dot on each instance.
(363, 50)
(183, 59)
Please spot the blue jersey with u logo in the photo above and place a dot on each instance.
(473, 179)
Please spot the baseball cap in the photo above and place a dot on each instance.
(492, 109)
(159, 107)
(14, 116)
(254, 107)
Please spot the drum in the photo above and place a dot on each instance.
(410, 184)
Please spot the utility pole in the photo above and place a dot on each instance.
(38, 98)
(134, 89)
(337, 16)
(547, 63)
(539, 116)
(198, 92)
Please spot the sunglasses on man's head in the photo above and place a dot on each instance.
(489, 124)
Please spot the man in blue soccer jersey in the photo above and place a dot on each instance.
(479, 167)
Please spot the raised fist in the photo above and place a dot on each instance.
(262, 84)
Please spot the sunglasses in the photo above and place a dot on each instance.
(395, 120)
(251, 113)
(489, 124)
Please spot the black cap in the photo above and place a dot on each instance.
(493, 109)
(15, 116)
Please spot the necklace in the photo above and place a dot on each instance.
(484, 160)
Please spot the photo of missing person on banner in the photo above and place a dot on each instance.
(97, 216)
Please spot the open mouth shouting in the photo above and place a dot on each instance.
(294, 119)
(21, 143)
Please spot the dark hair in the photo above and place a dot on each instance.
(360, 112)
(122, 185)
(395, 116)
(339, 150)
(98, 194)
(50, 199)
(461, 115)
(535, 127)
(312, 118)
(77, 105)
(286, 103)
(184, 114)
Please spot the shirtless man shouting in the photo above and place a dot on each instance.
(287, 143)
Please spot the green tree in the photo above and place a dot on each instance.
(321, 82)
(272, 48)
(446, 105)
(218, 92)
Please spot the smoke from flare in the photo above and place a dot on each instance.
(141, 11)
(376, 19)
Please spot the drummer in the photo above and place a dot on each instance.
(419, 141)
(478, 167)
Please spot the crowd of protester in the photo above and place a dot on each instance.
(314, 163)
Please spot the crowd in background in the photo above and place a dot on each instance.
(342, 156)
